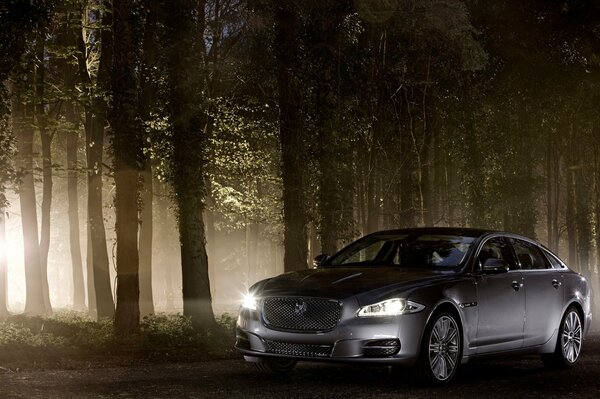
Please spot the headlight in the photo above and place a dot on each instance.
(249, 302)
(390, 307)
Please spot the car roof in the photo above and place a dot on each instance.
(459, 231)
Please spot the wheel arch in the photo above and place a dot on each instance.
(579, 309)
(451, 308)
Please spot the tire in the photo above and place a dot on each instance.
(441, 349)
(568, 343)
(276, 365)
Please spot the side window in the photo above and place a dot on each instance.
(496, 248)
(554, 261)
(529, 256)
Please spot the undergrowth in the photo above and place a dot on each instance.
(75, 335)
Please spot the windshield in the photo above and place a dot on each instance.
(408, 250)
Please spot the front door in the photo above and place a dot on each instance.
(500, 301)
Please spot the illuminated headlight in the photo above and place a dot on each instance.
(249, 302)
(390, 307)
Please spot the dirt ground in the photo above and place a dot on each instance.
(515, 378)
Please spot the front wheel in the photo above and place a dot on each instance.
(568, 345)
(275, 365)
(442, 349)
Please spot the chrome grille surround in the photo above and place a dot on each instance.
(303, 350)
(301, 314)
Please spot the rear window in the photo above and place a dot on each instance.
(554, 261)
(530, 257)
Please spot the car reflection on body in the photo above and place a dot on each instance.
(428, 298)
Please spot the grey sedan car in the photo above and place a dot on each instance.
(428, 298)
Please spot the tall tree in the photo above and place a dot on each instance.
(324, 41)
(46, 137)
(20, 21)
(148, 104)
(125, 147)
(70, 23)
(295, 218)
(95, 122)
(22, 126)
(3, 265)
(184, 38)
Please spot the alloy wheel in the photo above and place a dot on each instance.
(444, 345)
(571, 337)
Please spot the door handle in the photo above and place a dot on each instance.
(516, 286)
(556, 283)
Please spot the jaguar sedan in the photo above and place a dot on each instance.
(428, 299)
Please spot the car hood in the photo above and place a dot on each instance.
(340, 283)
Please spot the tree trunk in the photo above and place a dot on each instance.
(211, 245)
(3, 263)
(98, 271)
(252, 232)
(145, 242)
(314, 244)
(23, 131)
(68, 38)
(185, 26)
(46, 139)
(552, 193)
(73, 211)
(91, 290)
(126, 149)
(582, 215)
(570, 221)
(164, 254)
(325, 54)
(147, 104)
(295, 218)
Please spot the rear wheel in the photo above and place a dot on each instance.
(441, 351)
(568, 345)
(275, 365)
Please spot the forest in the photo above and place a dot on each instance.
(163, 155)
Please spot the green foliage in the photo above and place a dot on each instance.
(64, 330)
(7, 150)
(75, 332)
(244, 163)
(167, 330)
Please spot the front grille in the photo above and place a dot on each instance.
(301, 314)
(304, 350)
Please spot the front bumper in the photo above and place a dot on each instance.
(386, 340)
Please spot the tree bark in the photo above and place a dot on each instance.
(68, 38)
(570, 221)
(145, 242)
(46, 139)
(185, 26)
(3, 263)
(98, 270)
(91, 290)
(22, 127)
(148, 103)
(295, 218)
(552, 193)
(126, 148)
(252, 233)
(73, 211)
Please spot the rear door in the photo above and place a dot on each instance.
(543, 293)
(501, 301)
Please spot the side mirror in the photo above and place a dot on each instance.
(319, 260)
(495, 265)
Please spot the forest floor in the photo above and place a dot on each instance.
(232, 378)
